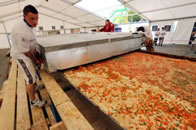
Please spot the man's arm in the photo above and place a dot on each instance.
(112, 27)
(102, 29)
(32, 57)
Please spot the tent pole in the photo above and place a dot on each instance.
(64, 27)
(150, 23)
(6, 33)
(163, 20)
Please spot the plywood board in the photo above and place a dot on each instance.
(1, 92)
(7, 112)
(46, 97)
(38, 117)
(58, 126)
(72, 118)
(56, 93)
(23, 119)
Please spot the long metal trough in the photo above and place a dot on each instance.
(70, 50)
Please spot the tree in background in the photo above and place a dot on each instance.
(123, 15)
(132, 17)
(119, 15)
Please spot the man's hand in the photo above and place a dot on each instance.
(35, 60)
(39, 59)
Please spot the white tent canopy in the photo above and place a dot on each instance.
(60, 10)
(53, 14)
(155, 10)
(63, 15)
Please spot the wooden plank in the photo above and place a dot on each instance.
(7, 112)
(1, 92)
(72, 118)
(50, 116)
(38, 117)
(40, 126)
(58, 126)
(39, 82)
(70, 115)
(22, 116)
(56, 93)
(46, 97)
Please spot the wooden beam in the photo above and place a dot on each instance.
(23, 119)
(56, 93)
(39, 120)
(40, 126)
(46, 97)
(72, 118)
(68, 112)
(58, 126)
(7, 112)
(2, 92)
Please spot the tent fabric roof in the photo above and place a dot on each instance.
(155, 10)
(74, 17)
(63, 10)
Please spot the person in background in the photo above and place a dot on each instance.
(193, 40)
(109, 27)
(23, 50)
(162, 35)
(148, 37)
(156, 36)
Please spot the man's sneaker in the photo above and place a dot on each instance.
(38, 104)
(38, 87)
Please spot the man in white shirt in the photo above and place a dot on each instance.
(23, 50)
(156, 37)
(148, 37)
(162, 35)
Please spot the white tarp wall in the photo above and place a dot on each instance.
(180, 30)
(4, 41)
(183, 31)
(89, 29)
(169, 35)
(168, 11)
(47, 23)
(3, 37)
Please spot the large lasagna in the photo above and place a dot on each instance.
(141, 91)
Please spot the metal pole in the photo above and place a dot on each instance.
(6, 33)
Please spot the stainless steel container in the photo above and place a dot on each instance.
(70, 50)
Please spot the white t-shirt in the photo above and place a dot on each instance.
(147, 32)
(162, 33)
(23, 40)
(157, 34)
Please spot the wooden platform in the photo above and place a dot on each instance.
(16, 112)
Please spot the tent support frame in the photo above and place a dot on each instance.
(173, 19)
(6, 33)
